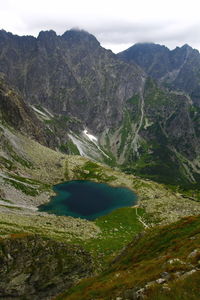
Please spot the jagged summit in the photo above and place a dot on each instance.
(46, 34)
(79, 35)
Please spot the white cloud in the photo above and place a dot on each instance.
(116, 24)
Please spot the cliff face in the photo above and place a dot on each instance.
(36, 268)
(17, 114)
(69, 74)
(177, 69)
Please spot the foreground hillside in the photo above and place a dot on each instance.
(33, 267)
(161, 263)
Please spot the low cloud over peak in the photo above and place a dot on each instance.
(117, 25)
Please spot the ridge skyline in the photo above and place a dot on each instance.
(113, 49)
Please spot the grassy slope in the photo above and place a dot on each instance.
(117, 229)
(145, 260)
(49, 167)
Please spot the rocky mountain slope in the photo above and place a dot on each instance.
(95, 105)
(178, 69)
(158, 264)
(69, 74)
(14, 112)
(85, 86)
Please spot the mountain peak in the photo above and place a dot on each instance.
(47, 34)
(78, 35)
(186, 46)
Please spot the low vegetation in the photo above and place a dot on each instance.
(117, 229)
(162, 263)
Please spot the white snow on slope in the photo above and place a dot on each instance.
(39, 111)
(94, 140)
(87, 145)
(91, 137)
(46, 115)
(48, 112)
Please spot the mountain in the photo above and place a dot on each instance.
(69, 74)
(42, 254)
(178, 69)
(94, 104)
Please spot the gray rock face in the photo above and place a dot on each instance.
(17, 114)
(70, 74)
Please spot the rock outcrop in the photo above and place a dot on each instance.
(33, 267)
(17, 114)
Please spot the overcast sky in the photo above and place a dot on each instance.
(116, 24)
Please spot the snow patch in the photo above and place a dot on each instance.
(48, 112)
(91, 137)
(85, 147)
(46, 115)
(39, 111)
(94, 140)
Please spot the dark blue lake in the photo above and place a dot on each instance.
(87, 200)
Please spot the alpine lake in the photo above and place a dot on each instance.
(87, 200)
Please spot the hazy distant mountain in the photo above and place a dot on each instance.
(178, 69)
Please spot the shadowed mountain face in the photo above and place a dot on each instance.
(137, 124)
(178, 69)
(70, 74)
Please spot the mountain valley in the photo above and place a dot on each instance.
(72, 110)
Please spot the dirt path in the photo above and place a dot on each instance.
(140, 219)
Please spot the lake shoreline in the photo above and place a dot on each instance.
(70, 200)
